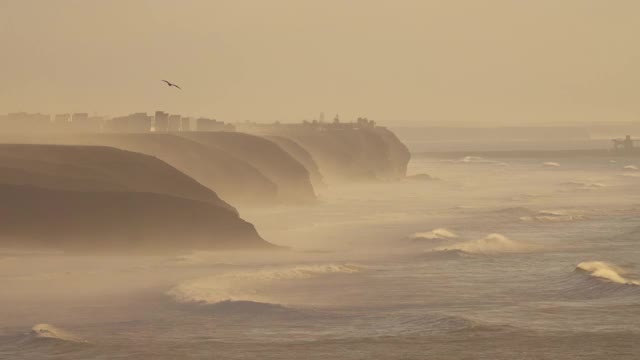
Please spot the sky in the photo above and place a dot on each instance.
(401, 62)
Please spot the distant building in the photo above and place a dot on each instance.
(174, 123)
(161, 123)
(364, 123)
(139, 123)
(134, 123)
(25, 123)
(81, 122)
(626, 145)
(62, 119)
(61, 122)
(204, 124)
(185, 124)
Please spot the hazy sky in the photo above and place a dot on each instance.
(397, 61)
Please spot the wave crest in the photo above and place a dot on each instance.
(47, 331)
(606, 271)
(553, 216)
(477, 160)
(249, 286)
(491, 244)
(550, 164)
(435, 234)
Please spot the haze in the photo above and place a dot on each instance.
(410, 62)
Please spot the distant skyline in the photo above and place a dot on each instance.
(402, 63)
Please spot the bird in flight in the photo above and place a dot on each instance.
(170, 84)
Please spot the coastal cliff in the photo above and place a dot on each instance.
(290, 176)
(349, 154)
(233, 178)
(85, 198)
(302, 156)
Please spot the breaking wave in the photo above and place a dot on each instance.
(606, 271)
(550, 164)
(477, 160)
(584, 185)
(50, 332)
(249, 287)
(514, 211)
(553, 216)
(489, 245)
(630, 168)
(436, 234)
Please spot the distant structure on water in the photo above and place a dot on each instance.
(625, 146)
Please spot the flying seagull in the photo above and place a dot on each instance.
(170, 84)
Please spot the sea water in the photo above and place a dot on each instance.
(493, 259)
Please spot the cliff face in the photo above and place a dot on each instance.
(117, 221)
(364, 154)
(398, 153)
(302, 156)
(291, 177)
(85, 198)
(98, 168)
(233, 178)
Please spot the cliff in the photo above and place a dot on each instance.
(290, 176)
(302, 156)
(88, 198)
(233, 178)
(360, 154)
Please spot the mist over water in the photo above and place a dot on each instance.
(495, 259)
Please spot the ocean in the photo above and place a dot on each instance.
(517, 258)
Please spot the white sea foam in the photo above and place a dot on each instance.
(491, 244)
(585, 185)
(436, 234)
(630, 168)
(550, 164)
(610, 272)
(478, 160)
(553, 216)
(249, 285)
(47, 331)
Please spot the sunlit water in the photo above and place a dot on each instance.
(497, 259)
